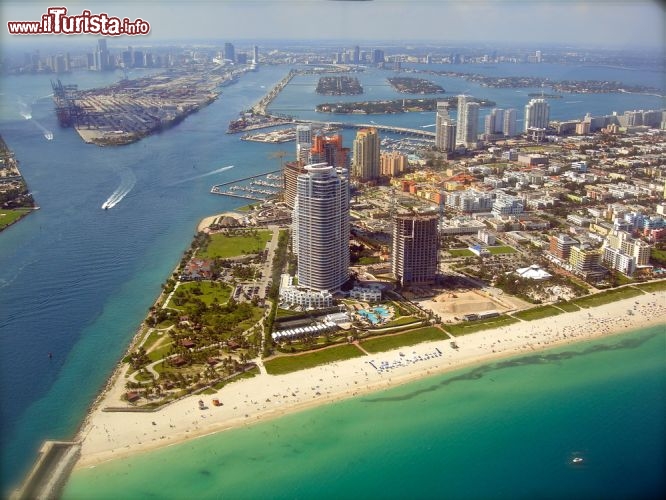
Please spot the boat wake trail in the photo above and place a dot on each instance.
(48, 135)
(24, 110)
(127, 182)
(216, 171)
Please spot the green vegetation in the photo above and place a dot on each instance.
(655, 286)
(8, 217)
(288, 364)
(208, 292)
(482, 324)
(461, 252)
(537, 313)
(411, 337)
(607, 297)
(567, 306)
(403, 320)
(217, 386)
(502, 249)
(235, 243)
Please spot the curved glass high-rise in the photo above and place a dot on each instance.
(321, 227)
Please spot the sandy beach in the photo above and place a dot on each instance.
(110, 435)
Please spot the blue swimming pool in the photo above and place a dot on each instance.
(375, 314)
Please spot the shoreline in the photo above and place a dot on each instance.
(106, 436)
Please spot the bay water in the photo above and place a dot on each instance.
(76, 280)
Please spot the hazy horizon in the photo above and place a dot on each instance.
(595, 23)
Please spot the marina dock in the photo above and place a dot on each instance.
(248, 193)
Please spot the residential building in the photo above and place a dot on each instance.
(468, 122)
(328, 149)
(494, 123)
(366, 155)
(415, 248)
(537, 114)
(303, 143)
(505, 204)
(445, 128)
(469, 201)
(321, 227)
(392, 164)
(509, 123)
(560, 246)
(586, 262)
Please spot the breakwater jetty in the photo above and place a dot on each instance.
(50, 472)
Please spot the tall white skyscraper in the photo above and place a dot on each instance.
(509, 123)
(494, 122)
(537, 113)
(468, 122)
(462, 118)
(445, 128)
(321, 227)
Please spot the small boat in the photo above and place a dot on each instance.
(577, 460)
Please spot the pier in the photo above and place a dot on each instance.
(49, 474)
(216, 189)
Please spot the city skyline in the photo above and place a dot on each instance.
(595, 23)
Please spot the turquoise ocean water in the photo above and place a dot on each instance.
(504, 430)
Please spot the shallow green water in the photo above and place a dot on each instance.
(502, 430)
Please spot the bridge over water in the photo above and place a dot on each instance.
(381, 128)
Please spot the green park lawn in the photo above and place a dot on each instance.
(501, 249)
(482, 324)
(9, 216)
(210, 291)
(288, 364)
(537, 313)
(607, 297)
(567, 306)
(411, 337)
(223, 246)
(655, 286)
(460, 252)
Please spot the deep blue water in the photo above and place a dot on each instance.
(76, 280)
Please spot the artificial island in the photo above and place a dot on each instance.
(436, 251)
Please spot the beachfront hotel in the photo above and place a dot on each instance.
(415, 248)
(321, 227)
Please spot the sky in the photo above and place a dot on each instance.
(609, 23)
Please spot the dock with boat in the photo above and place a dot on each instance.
(260, 187)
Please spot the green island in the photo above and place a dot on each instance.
(15, 200)
(393, 106)
(339, 85)
(411, 85)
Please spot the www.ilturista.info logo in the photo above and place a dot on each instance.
(57, 22)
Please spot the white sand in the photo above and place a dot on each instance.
(107, 436)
